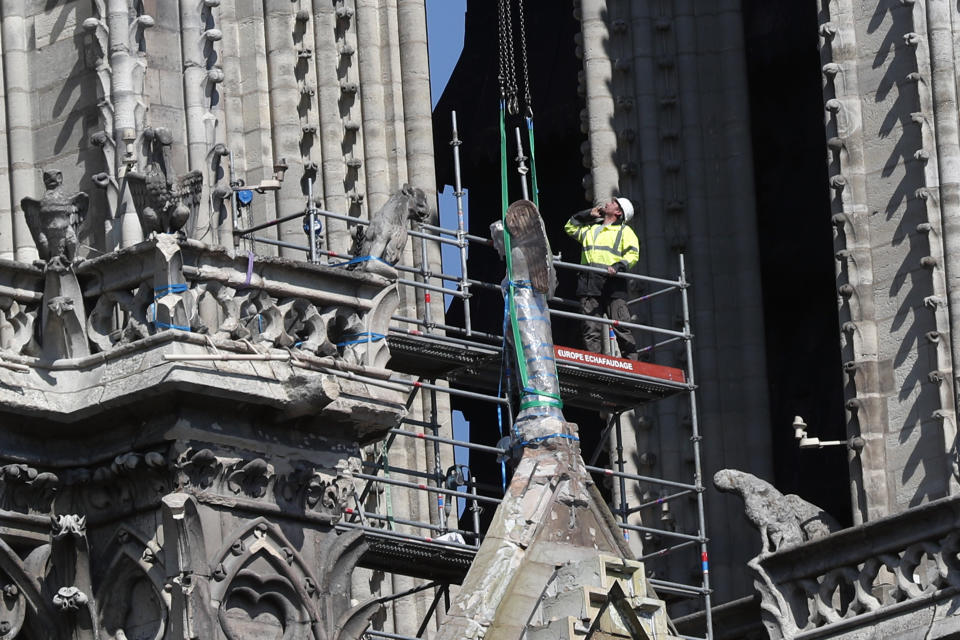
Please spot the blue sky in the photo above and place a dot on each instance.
(445, 33)
(445, 22)
(445, 40)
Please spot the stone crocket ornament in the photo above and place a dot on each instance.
(53, 221)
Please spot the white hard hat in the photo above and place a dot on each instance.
(627, 207)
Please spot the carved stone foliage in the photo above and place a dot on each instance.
(309, 490)
(103, 329)
(24, 488)
(130, 480)
(303, 488)
(226, 313)
(137, 480)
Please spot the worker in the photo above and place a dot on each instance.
(610, 244)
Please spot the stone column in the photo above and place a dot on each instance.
(16, 69)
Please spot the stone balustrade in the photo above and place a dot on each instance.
(896, 573)
(167, 300)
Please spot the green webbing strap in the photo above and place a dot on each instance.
(511, 303)
(505, 203)
(533, 164)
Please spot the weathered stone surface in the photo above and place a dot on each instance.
(783, 521)
(893, 577)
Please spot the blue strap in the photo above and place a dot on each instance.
(366, 336)
(159, 292)
(549, 436)
(360, 259)
(164, 325)
(504, 367)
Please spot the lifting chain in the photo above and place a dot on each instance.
(528, 101)
(508, 75)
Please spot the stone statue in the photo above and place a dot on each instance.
(531, 337)
(164, 204)
(552, 517)
(53, 220)
(386, 235)
(783, 520)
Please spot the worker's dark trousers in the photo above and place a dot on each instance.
(594, 333)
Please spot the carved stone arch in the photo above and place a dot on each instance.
(262, 583)
(24, 612)
(101, 329)
(131, 595)
(304, 322)
(336, 566)
(376, 324)
(216, 309)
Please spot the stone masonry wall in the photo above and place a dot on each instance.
(883, 162)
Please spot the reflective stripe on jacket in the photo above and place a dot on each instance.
(610, 245)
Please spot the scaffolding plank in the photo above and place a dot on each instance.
(584, 382)
(416, 559)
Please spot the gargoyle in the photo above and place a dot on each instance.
(163, 203)
(783, 520)
(53, 220)
(386, 235)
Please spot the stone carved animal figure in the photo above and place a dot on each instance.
(164, 203)
(53, 220)
(386, 235)
(783, 520)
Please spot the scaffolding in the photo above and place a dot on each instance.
(433, 357)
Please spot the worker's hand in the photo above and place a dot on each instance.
(611, 271)
(597, 212)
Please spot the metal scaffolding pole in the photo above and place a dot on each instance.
(491, 345)
(696, 439)
(461, 226)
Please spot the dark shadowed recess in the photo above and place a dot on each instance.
(796, 248)
(796, 253)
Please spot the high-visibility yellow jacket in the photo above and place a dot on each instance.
(605, 245)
